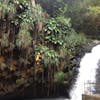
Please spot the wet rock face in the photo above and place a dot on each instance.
(91, 44)
(75, 62)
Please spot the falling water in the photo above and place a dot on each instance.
(87, 73)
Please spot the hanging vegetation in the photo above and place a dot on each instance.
(34, 48)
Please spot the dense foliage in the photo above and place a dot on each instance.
(35, 47)
(82, 19)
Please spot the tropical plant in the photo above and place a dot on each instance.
(24, 39)
(59, 77)
(49, 56)
(6, 8)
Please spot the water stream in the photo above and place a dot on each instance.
(87, 73)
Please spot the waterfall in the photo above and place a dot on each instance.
(87, 73)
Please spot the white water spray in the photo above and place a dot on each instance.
(87, 73)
